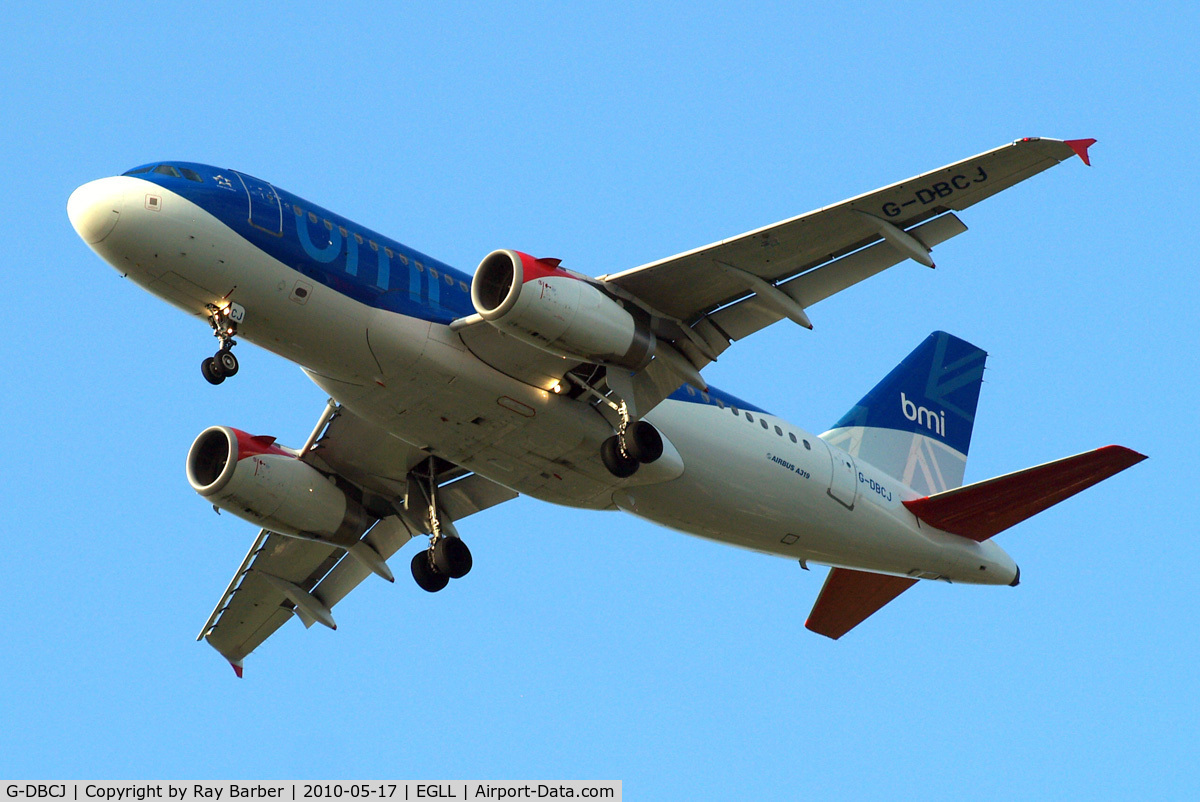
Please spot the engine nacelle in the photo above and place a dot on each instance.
(260, 482)
(558, 311)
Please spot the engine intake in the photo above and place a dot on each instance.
(262, 483)
(558, 311)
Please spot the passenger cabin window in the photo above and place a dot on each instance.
(191, 175)
(734, 410)
(166, 169)
(140, 170)
(779, 431)
(806, 445)
(749, 417)
(763, 421)
(792, 436)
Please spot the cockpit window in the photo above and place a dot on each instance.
(191, 175)
(140, 170)
(166, 169)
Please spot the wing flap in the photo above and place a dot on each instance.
(253, 608)
(849, 597)
(984, 509)
(749, 315)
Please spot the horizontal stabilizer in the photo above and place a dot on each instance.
(984, 509)
(849, 597)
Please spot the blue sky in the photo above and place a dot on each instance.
(590, 645)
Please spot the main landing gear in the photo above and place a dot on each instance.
(635, 444)
(447, 556)
(224, 322)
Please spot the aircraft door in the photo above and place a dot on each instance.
(266, 212)
(843, 483)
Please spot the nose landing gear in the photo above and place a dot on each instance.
(224, 321)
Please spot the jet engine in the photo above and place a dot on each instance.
(262, 483)
(558, 311)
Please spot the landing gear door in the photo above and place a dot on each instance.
(266, 212)
(843, 484)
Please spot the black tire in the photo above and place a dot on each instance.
(617, 463)
(425, 574)
(643, 442)
(226, 362)
(211, 373)
(452, 557)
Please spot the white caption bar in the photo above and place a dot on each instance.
(311, 791)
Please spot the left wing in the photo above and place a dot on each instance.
(703, 300)
(699, 302)
(690, 285)
(284, 576)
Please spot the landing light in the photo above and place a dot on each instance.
(556, 388)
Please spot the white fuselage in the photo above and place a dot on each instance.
(745, 478)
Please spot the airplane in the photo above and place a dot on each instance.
(451, 393)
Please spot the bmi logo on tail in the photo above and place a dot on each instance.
(923, 417)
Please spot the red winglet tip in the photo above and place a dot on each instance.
(237, 669)
(1080, 146)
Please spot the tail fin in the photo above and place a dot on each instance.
(916, 424)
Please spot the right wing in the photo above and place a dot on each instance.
(283, 576)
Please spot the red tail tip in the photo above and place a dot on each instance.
(1080, 146)
(237, 669)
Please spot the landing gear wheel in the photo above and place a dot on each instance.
(617, 463)
(212, 373)
(452, 557)
(228, 363)
(428, 578)
(643, 442)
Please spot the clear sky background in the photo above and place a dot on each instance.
(596, 645)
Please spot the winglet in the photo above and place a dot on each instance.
(237, 668)
(1080, 146)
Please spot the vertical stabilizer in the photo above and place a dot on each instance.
(916, 424)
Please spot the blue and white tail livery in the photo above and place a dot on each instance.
(451, 393)
(916, 424)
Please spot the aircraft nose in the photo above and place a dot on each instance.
(95, 208)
